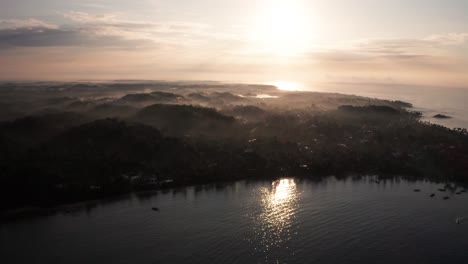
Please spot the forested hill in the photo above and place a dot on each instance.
(61, 154)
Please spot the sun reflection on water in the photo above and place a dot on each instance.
(278, 208)
(286, 86)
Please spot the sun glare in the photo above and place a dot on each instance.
(283, 190)
(281, 27)
(279, 204)
(286, 86)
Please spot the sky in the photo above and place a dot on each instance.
(421, 42)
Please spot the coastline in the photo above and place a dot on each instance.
(292, 133)
(69, 208)
(428, 100)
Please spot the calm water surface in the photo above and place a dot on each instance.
(284, 221)
(429, 101)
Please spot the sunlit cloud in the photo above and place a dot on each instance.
(449, 39)
(275, 41)
(31, 23)
(106, 30)
(169, 32)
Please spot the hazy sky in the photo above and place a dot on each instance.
(396, 41)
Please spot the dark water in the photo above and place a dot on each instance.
(283, 221)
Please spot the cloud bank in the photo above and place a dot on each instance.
(108, 46)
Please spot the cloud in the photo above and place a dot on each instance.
(101, 43)
(437, 59)
(427, 49)
(86, 17)
(449, 39)
(106, 30)
(37, 33)
(30, 23)
(113, 24)
(55, 37)
(430, 44)
(46, 37)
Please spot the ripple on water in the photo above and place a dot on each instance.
(276, 222)
(283, 221)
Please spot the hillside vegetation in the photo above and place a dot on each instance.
(122, 141)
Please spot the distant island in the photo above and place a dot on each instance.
(66, 142)
(441, 116)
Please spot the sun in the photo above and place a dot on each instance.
(280, 27)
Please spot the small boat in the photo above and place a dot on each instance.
(417, 190)
(432, 195)
(446, 198)
(154, 208)
(442, 190)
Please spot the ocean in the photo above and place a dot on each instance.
(429, 101)
(288, 220)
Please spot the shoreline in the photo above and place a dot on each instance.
(32, 212)
(78, 153)
(430, 100)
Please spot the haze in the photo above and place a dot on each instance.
(405, 42)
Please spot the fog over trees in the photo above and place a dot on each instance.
(63, 142)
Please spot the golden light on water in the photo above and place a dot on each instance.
(282, 191)
(279, 206)
(286, 86)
